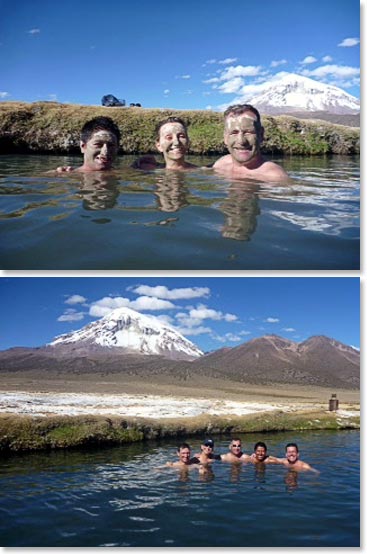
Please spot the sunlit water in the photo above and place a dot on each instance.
(122, 497)
(178, 220)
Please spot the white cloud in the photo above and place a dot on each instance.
(166, 91)
(75, 299)
(203, 312)
(165, 319)
(327, 59)
(211, 81)
(52, 97)
(188, 321)
(232, 86)
(71, 315)
(230, 317)
(190, 331)
(335, 71)
(288, 329)
(228, 337)
(150, 303)
(276, 63)
(4, 94)
(271, 320)
(34, 31)
(183, 77)
(349, 42)
(105, 305)
(240, 71)
(227, 61)
(210, 62)
(172, 294)
(309, 59)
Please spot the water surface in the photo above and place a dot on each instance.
(120, 497)
(178, 220)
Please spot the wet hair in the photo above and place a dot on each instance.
(239, 109)
(182, 446)
(260, 443)
(171, 119)
(99, 124)
(293, 444)
(235, 439)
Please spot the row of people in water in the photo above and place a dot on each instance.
(243, 135)
(235, 455)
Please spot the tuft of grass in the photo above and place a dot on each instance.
(22, 433)
(49, 127)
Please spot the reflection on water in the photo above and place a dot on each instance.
(291, 480)
(124, 497)
(98, 191)
(209, 222)
(171, 191)
(241, 208)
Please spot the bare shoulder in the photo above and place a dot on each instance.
(307, 467)
(246, 457)
(223, 162)
(274, 171)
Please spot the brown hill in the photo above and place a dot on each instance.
(270, 359)
(318, 361)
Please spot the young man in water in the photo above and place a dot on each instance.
(260, 455)
(292, 460)
(184, 457)
(235, 453)
(207, 456)
(173, 142)
(99, 143)
(243, 135)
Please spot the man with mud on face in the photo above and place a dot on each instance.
(243, 135)
(99, 143)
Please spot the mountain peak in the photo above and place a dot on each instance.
(135, 332)
(290, 92)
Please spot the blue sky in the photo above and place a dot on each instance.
(211, 311)
(186, 55)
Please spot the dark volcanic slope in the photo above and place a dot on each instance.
(318, 361)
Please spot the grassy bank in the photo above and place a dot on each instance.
(22, 433)
(49, 127)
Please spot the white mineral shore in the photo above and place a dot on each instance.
(151, 406)
(147, 406)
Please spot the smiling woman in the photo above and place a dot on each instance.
(173, 142)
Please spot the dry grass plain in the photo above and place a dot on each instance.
(194, 388)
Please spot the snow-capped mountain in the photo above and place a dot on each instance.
(295, 93)
(135, 332)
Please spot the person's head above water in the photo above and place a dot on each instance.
(99, 142)
(172, 141)
(260, 450)
(243, 134)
